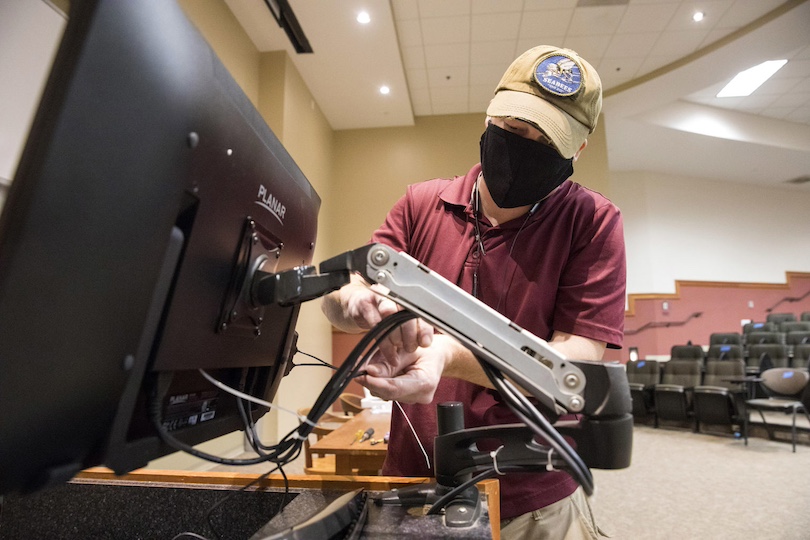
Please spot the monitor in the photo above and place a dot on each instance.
(148, 193)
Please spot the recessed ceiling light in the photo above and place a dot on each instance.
(384, 90)
(363, 17)
(745, 82)
(698, 16)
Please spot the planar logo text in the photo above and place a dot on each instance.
(270, 203)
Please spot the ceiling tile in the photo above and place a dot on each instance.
(413, 57)
(431, 8)
(713, 11)
(617, 70)
(487, 75)
(539, 25)
(405, 9)
(596, 20)
(526, 44)
(448, 77)
(647, 17)
(453, 54)
(541, 5)
(409, 33)
(417, 79)
(440, 30)
(493, 52)
(744, 11)
(591, 48)
(480, 96)
(678, 44)
(494, 26)
(496, 6)
(636, 44)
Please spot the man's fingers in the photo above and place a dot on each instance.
(404, 388)
(409, 334)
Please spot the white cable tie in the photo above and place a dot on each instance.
(237, 393)
(549, 466)
(299, 437)
(306, 420)
(494, 455)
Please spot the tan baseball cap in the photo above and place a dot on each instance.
(554, 89)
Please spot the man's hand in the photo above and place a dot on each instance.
(411, 377)
(357, 307)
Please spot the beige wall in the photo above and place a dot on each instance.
(219, 27)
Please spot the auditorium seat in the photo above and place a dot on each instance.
(801, 356)
(719, 400)
(794, 326)
(725, 338)
(673, 395)
(724, 352)
(777, 356)
(780, 317)
(642, 376)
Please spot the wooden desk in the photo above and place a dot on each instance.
(361, 458)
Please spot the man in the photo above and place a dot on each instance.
(520, 236)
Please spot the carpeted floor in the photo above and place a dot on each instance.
(684, 485)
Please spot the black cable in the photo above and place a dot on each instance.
(320, 361)
(290, 446)
(538, 423)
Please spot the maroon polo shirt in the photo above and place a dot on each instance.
(562, 268)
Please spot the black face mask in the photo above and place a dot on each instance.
(520, 171)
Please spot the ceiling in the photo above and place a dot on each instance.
(660, 71)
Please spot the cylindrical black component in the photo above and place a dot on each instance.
(450, 417)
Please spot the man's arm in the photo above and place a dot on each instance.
(356, 307)
(414, 377)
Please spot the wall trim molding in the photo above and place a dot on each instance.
(632, 298)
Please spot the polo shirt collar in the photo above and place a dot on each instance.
(459, 193)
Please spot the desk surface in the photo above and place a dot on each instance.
(352, 456)
(342, 440)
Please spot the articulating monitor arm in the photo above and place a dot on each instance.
(559, 385)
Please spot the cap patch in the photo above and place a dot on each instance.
(559, 75)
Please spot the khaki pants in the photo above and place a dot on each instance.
(568, 519)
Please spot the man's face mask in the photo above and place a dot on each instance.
(520, 171)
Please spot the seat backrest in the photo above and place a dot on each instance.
(780, 317)
(760, 327)
(805, 316)
(687, 352)
(724, 352)
(686, 373)
(801, 356)
(795, 337)
(725, 338)
(646, 372)
(794, 326)
(719, 370)
(776, 352)
(785, 382)
(752, 338)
